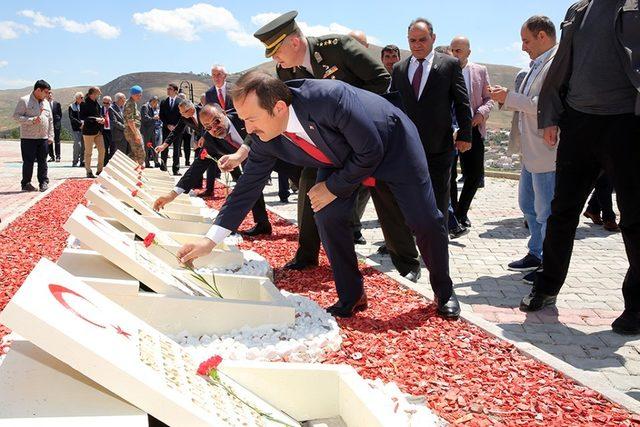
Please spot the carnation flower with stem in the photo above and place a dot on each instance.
(209, 370)
(151, 240)
(205, 155)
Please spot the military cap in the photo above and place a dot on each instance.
(273, 33)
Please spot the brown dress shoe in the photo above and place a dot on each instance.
(597, 220)
(611, 226)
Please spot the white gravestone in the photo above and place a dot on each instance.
(98, 338)
(185, 303)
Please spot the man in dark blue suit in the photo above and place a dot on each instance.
(351, 136)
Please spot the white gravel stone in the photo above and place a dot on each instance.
(407, 414)
(314, 334)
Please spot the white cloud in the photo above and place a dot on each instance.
(11, 30)
(187, 23)
(97, 27)
(243, 39)
(14, 83)
(264, 18)
(4, 63)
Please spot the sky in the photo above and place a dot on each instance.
(73, 43)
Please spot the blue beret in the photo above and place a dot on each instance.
(135, 90)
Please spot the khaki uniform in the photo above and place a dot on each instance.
(131, 112)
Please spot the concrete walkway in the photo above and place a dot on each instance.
(574, 338)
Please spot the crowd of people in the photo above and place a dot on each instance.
(346, 127)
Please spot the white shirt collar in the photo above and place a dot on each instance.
(542, 58)
(428, 59)
(223, 88)
(306, 63)
(294, 126)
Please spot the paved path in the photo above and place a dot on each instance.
(576, 332)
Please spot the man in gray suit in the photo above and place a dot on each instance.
(592, 94)
(538, 175)
(148, 121)
(116, 119)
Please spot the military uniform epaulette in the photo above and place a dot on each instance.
(330, 41)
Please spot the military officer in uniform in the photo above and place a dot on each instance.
(132, 119)
(352, 136)
(336, 57)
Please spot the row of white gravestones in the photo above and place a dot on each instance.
(186, 301)
(122, 354)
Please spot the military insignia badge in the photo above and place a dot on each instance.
(335, 41)
(317, 56)
(329, 72)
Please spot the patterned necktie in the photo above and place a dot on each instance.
(231, 141)
(417, 78)
(308, 148)
(221, 99)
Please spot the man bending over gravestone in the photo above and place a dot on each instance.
(351, 135)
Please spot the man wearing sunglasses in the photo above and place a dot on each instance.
(220, 135)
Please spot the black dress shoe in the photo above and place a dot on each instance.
(413, 276)
(382, 250)
(51, 159)
(44, 187)
(627, 324)
(90, 175)
(258, 230)
(163, 168)
(347, 310)
(358, 239)
(284, 200)
(29, 187)
(81, 164)
(294, 264)
(187, 164)
(459, 231)
(464, 221)
(536, 300)
(177, 174)
(449, 309)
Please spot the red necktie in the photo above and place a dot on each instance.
(417, 78)
(106, 117)
(221, 99)
(308, 148)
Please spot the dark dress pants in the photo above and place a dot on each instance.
(473, 174)
(175, 167)
(186, 147)
(440, 174)
(417, 204)
(34, 150)
(109, 145)
(308, 238)
(54, 149)
(589, 143)
(601, 201)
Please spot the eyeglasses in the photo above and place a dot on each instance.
(215, 122)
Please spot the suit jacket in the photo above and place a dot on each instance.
(525, 136)
(74, 118)
(147, 123)
(432, 112)
(116, 119)
(90, 111)
(212, 96)
(627, 32)
(169, 116)
(341, 58)
(480, 98)
(362, 134)
(182, 126)
(56, 111)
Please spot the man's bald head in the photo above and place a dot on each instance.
(213, 118)
(461, 49)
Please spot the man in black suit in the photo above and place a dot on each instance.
(221, 135)
(56, 111)
(170, 116)
(219, 92)
(351, 135)
(430, 83)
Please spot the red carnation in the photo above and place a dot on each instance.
(141, 167)
(203, 154)
(139, 184)
(134, 193)
(149, 145)
(209, 365)
(149, 240)
(137, 168)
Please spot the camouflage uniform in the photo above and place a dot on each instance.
(131, 112)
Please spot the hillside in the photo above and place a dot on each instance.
(155, 83)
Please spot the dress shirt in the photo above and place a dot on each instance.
(426, 69)
(466, 73)
(306, 62)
